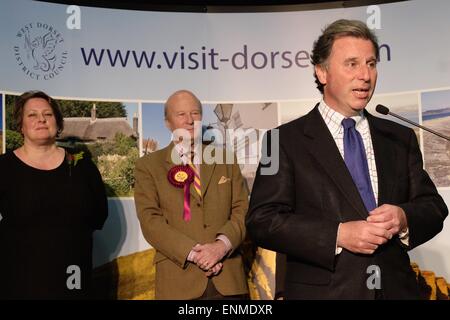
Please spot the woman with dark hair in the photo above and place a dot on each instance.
(51, 202)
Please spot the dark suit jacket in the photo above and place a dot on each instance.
(297, 211)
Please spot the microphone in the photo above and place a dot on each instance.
(384, 110)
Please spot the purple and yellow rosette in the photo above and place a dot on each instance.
(182, 177)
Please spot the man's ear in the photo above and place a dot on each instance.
(167, 123)
(321, 73)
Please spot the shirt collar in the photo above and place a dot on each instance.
(185, 155)
(182, 153)
(333, 119)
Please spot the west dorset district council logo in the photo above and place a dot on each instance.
(40, 51)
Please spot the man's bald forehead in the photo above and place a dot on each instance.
(180, 94)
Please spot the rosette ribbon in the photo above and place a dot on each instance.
(181, 177)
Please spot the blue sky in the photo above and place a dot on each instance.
(435, 100)
(131, 107)
(153, 124)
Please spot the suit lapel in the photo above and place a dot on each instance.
(324, 149)
(206, 172)
(385, 158)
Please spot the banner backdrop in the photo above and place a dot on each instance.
(255, 62)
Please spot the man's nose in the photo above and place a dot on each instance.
(364, 73)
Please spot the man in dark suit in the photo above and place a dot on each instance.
(350, 197)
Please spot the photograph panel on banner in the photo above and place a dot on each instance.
(106, 131)
(436, 116)
(403, 104)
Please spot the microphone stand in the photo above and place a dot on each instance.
(413, 123)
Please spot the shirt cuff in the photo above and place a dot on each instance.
(404, 237)
(338, 250)
(225, 240)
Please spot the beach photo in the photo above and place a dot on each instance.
(436, 116)
(403, 104)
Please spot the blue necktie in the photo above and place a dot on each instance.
(356, 161)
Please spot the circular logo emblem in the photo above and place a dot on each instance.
(40, 51)
(181, 176)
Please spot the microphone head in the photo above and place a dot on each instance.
(382, 109)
